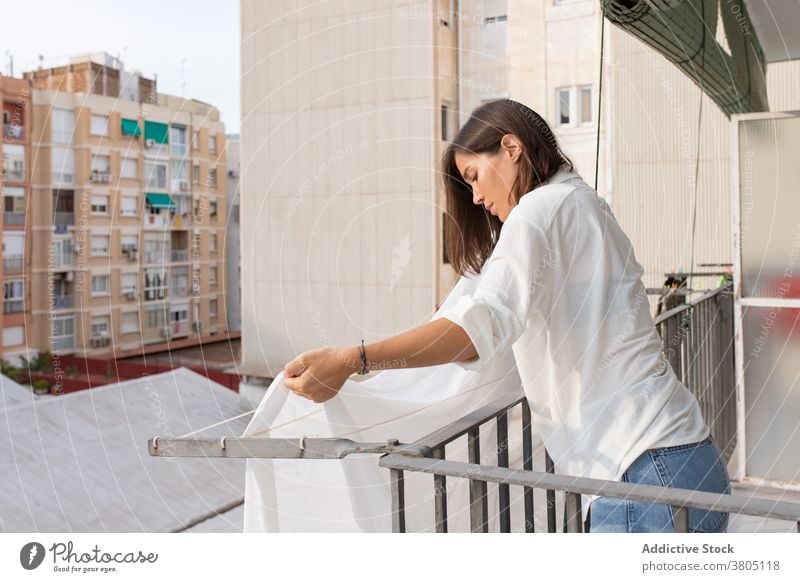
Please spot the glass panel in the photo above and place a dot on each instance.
(769, 171)
(586, 105)
(563, 106)
(771, 339)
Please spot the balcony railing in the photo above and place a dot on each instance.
(13, 306)
(694, 333)
(63, 301)
(698, 341)
(13, 262)
(13, 131)
(180, 256)
(156, 221)
(63, 260)
(63, 218)
(13, 218)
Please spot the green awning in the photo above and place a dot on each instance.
(159, 200)
(131, 127)
(156, 131)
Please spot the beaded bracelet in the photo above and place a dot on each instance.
(363, 369)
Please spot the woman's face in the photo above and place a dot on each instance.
(492, 175)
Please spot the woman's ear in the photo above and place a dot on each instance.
(512, 146)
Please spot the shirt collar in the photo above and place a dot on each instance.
(563, 174)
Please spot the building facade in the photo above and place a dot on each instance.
(128, 199)
(16, 151)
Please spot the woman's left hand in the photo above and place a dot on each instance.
(317, 374)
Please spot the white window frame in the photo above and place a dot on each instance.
(99, 125)
(101, 326)
(100, 204)
(129, 205)
(125, 282)
(62, 123)
(62, 166)
(177, 140)
(97, 290)
(12, 152)
(125, 322)
(579, 103)
(212, 143)
(570, 91)
(97, 248)
(215, 311)
(156, 183)
(124, 168)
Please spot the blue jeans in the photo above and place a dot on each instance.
(697, 466)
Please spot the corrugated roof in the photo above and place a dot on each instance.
(79, 462)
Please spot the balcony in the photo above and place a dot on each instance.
(13, 262)
(14, 218)
(102, 176)
(63, 218)
(63, 343)
(180, 256)
(180, 327)
(156, 222)
(63, 301)
(181, 221)
(13, 131)
(64, 259)
(13, 306)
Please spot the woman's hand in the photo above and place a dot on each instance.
(318, 374)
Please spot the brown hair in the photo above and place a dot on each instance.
(471, 232)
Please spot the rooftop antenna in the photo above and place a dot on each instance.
(10, 63)
(41, 61)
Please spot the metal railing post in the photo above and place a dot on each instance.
(478, 503)
(527, 464)
(504, 494)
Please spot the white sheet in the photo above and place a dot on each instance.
(352, 494)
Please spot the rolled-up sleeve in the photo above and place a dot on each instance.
(512, 282)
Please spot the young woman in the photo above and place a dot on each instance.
(561, 286)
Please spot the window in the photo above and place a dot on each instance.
(155, 249)
(14, 162)
(212, 243)
(101, 326)
(62, 330)
(13, 249)
(99, 204)
(99, 125)
(14, 296)
(155, 284)
(100, 246)
(129, 168)
(130, 322)
(14, 201)
(212, 275)
(129, 242)
(564, 106)
(177, 138)
(212, 179)
(179, 315)
(100, 284)
(212, 144)
(129, 282)
(212, 308)
(444, 122)
(155, 317)
(586, 104)
(212, 208)
(574, 106)
(196, 174)
(63, 165)
(13, 336)
(195, 142)
(155, 175)
(129, 205)
(63, 123)
(179, 178)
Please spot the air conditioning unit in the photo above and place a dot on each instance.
(130, 294)
(165, 332)
(132, 255)
(197, 325)
(97, 341)
(149, 143)
(105, 177)
(70, 276)
(183, 185)
(76, 248)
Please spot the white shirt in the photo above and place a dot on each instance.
(563, 288)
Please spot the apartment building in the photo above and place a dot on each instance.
(128, 194)
(16, 151)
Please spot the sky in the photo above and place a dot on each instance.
(154, 37)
